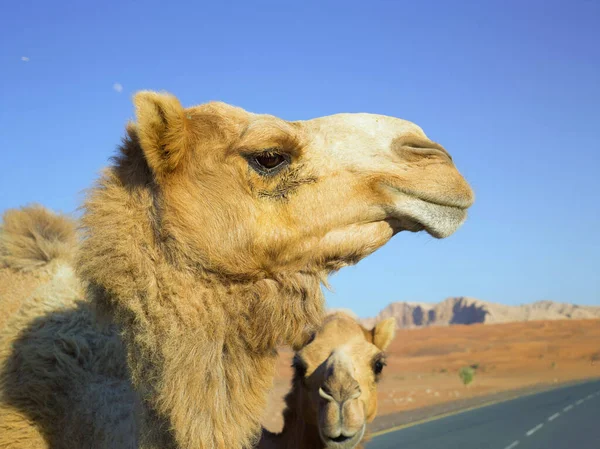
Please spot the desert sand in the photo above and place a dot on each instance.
(423, 363)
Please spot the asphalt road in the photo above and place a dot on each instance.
(565, 418)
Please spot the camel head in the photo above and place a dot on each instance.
(252, 196)
(337, 374)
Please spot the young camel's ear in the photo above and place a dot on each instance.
(383, 333)
(162, 130)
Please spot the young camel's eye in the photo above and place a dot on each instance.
(378, 366)
(269, 162)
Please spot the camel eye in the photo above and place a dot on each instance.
(378, 366)
(269, 162)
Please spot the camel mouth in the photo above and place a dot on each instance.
(342, 441)
(414, 214)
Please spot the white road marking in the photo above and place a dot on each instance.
(579, 402)
(553, 417)
(590, 396)
(567, 408)
(513, 444)
(534, 430)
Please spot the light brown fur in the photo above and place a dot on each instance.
(203, 263)
(33, 236)
(333, 394)
(36, 277)
(35, 247)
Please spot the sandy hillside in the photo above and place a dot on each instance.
(464, 310)
(423, 363)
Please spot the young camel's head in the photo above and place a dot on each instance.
(254, 196)
(337, 374)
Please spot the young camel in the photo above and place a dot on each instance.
(204, 248)
(333, 394)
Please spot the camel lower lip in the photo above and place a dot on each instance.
(344, 441)
(414, 214)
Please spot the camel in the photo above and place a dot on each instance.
(37, 248)
(333, 394)
(42, 245)
(36, 257)
(204, 247)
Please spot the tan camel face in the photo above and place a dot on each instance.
(254, 195)
(337, 372)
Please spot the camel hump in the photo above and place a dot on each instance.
(33, 236)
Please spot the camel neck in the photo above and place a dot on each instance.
(300, 430)
(214, 342)
(201, 348)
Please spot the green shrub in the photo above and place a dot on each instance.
(466, 374)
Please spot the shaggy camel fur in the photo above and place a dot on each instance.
(36, 277)
(333, 394)
(205, 244)
(36, 256)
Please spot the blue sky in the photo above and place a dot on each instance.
(510, 88)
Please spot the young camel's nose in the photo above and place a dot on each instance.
(342, 417)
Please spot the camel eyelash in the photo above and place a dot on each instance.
(285, 185)
(268, 162)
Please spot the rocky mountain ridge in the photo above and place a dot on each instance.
(465, 310)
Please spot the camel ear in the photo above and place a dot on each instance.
(161, 129)
(383, 333)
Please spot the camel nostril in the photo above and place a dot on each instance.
(355, 395)
(431, 152)
(353, 391)
(411, 147)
